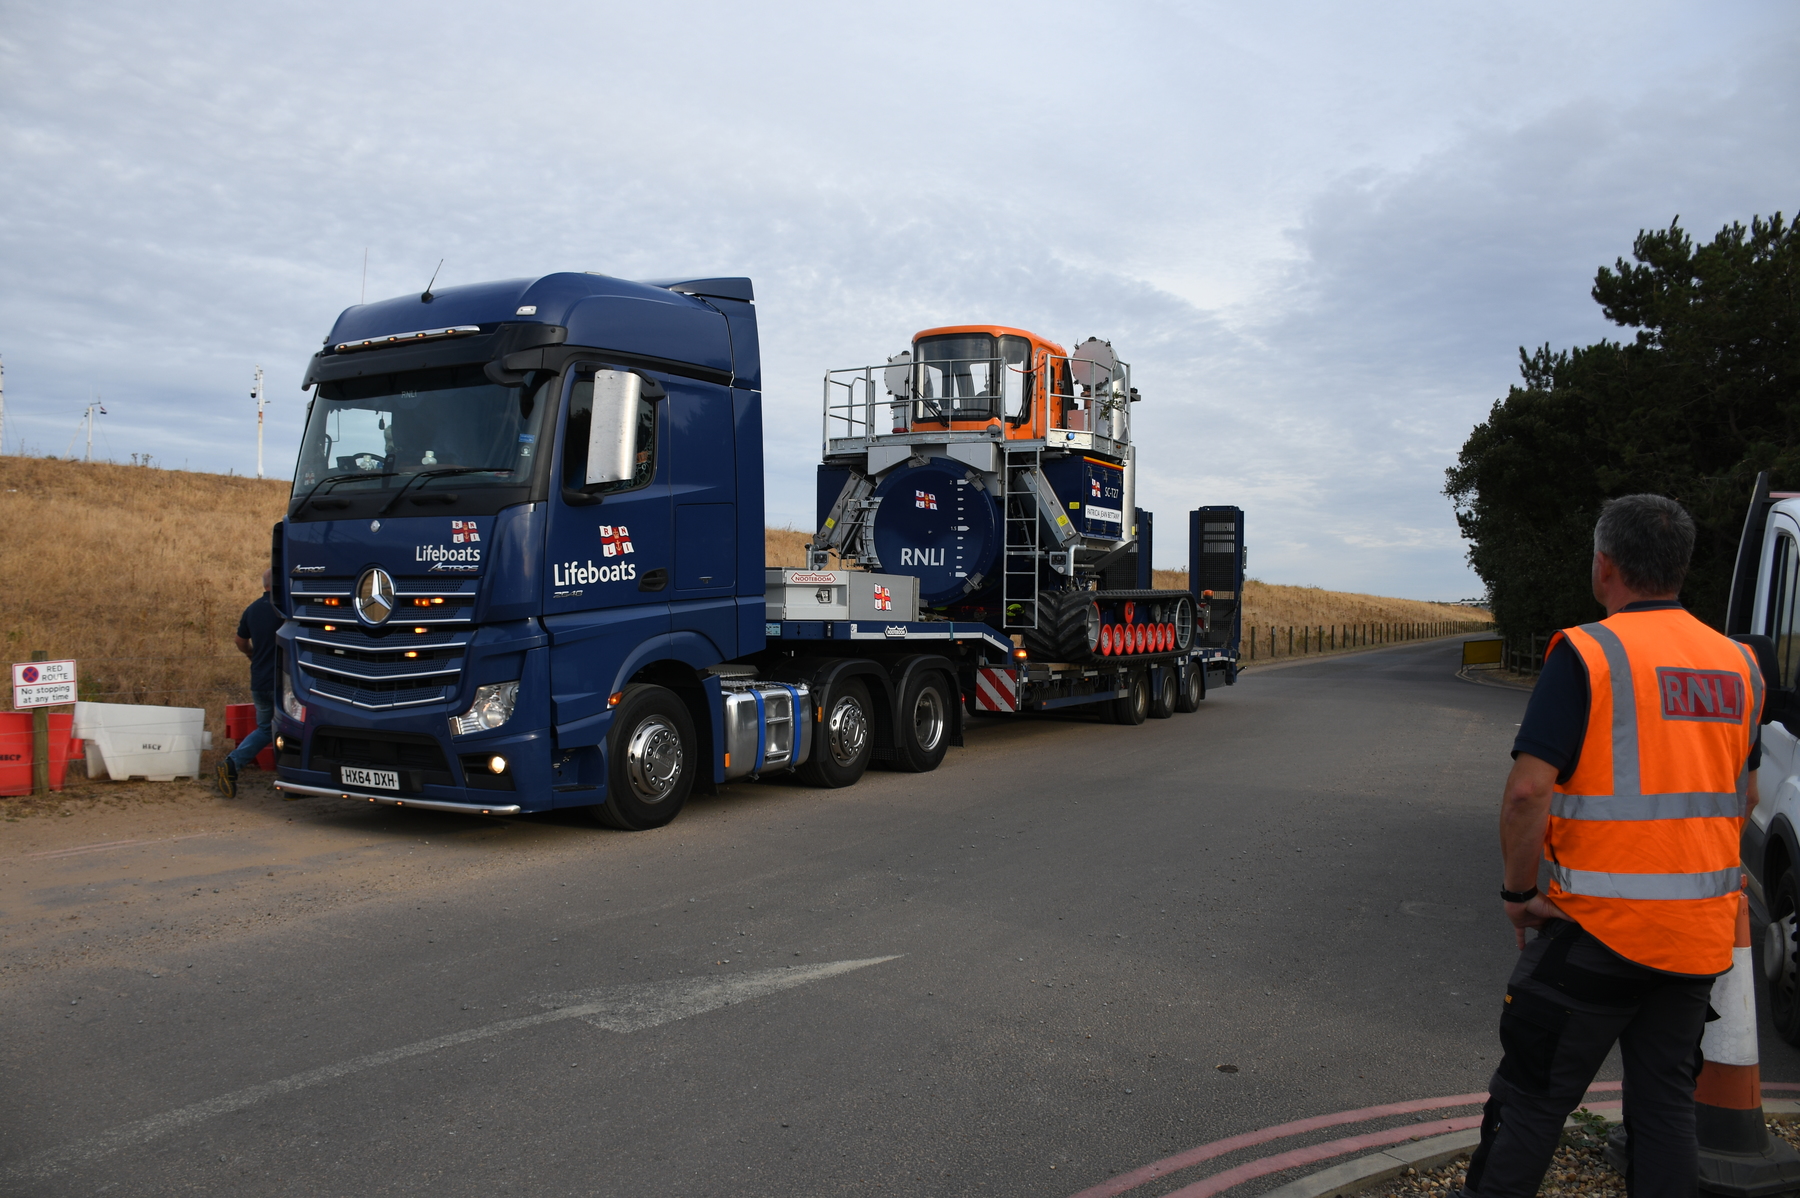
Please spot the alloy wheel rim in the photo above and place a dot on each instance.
(928, 719)
(653, 759)
(847, 730)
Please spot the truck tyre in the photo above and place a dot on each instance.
(650, 760)
(1162, 698)
(1135, 705)
(924, 723)
(844, 740)
(1779, 964)
(1191, 690)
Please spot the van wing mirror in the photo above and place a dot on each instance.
(1764, 648)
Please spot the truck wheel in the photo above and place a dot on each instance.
(1136, 704)
(650, 760)
(1162, 701)
(844, 741)
(1192, 689)
(1779, 964)
(924, 723)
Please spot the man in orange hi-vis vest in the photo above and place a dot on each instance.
(1633, 772)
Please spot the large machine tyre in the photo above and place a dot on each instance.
(1162, 695)
(844, 740)
(650, 760)
(1068, 627)
(924, 722)
(1191, 690)
(1780, 966)
(1134, 706)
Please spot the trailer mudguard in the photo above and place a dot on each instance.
(903, 673)
(821, 673)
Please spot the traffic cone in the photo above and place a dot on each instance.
(1738, 1158)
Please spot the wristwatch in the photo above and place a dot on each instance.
(1518, 896)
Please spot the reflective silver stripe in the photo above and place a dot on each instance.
(1715, 884)
(1756, 684)
(1624, 705)
(1699, 804)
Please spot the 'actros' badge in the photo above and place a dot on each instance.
(375, 596)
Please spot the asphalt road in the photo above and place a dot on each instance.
(1017, 975)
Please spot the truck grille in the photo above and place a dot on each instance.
(413, 659)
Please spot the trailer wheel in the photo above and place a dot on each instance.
(650, 760)
(1192, 689)
(844, 740)
(924, 723)
(1163, 699)
(1135, 705)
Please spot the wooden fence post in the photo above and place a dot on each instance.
(40, 740)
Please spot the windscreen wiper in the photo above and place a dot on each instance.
(440, 474)
(338, 478)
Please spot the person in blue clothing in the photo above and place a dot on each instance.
(255, 640)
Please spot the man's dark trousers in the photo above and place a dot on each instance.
(1568, 1001)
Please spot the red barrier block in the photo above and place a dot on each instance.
(16, 754)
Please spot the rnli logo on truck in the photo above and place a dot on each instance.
(1700, 694)
(884, 599)
(615, 541)
(926, 500)
(921, 557)
(462, 531)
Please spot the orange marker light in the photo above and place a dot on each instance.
(331, 628)
(412, 652)
(612, 700)
(419, 630)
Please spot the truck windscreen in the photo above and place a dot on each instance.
(428, 430)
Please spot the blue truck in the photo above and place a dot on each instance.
(522, 566)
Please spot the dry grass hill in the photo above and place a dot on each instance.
(140, 574)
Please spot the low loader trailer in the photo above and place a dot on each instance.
(522, 567)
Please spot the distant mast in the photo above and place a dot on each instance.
(256, 393)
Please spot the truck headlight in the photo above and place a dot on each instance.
(292, 707)
(493, 706)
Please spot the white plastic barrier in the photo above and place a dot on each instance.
(131, 740)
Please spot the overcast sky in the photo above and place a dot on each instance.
(1319, 233)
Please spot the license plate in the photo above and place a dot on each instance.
(350, 775)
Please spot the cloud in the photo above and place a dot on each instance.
(1319, 238)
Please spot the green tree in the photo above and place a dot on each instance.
(1706, 394)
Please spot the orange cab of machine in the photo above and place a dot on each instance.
(969, 377)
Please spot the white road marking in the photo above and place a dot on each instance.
(615, 1008)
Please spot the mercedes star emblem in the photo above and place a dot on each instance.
(375, 595)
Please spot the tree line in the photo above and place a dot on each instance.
(1705, 394)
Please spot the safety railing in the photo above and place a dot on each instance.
(906, 396)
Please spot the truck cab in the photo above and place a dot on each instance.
(512, 501)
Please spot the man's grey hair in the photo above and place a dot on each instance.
(1650, 538)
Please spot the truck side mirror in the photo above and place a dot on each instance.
(612, 440)
(1764, 648)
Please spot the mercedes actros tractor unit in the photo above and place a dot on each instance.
(522, 567)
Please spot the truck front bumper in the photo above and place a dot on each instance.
(399, 800)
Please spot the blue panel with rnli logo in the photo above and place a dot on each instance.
(937, 524)
(1092, 491)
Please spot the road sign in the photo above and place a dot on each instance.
(43, 683)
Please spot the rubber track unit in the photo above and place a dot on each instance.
(1061, 631)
